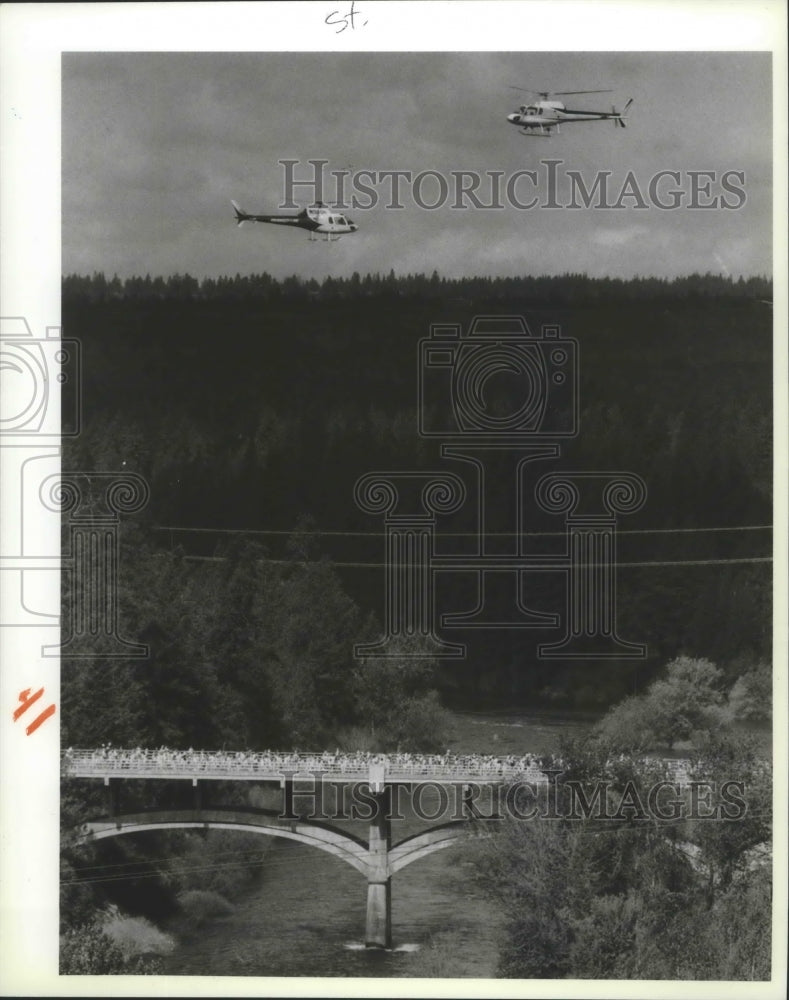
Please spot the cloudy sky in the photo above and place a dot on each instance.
(156, 144)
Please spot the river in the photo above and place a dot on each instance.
(306, 915)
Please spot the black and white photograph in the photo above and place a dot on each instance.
(394, 472)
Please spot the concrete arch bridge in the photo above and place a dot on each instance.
(375, 784)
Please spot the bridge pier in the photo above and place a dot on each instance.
(197, 795)
(378, 925)
(113, 804)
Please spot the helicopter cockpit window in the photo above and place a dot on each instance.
(341, 220)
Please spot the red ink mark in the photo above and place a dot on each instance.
(27, 700)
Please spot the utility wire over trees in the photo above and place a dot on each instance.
(266, 399)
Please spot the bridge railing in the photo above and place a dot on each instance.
(119, 763)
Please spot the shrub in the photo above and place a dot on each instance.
(136, 936)
(88, 951)
(200, 905)
(685, 704)
(750, 699)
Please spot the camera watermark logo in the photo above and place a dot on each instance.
(31, 367)
(40, 379)
(501, 399)
(497, 380)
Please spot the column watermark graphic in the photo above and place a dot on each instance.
(410, 503)
(502, 400)
(92, 504)
(590, 563)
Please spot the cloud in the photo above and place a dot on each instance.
(155, 145)
(617, 237)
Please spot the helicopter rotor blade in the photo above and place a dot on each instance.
(558, 93)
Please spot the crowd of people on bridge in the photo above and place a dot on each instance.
(358, 762)
(337, 763)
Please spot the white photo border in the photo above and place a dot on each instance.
(33, 38)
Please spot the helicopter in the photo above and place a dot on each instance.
(318, 218)
(545, 114)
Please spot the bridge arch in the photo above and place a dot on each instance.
(421, 844)
(345, 846)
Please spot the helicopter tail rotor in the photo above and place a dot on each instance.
(619, 120)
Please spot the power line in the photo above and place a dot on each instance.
(465, 567)
(295, 532)
(161, 874)
(269, 860)
(239, 854)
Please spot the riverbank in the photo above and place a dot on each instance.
(517, 732)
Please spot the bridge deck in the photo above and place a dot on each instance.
(379, 769)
